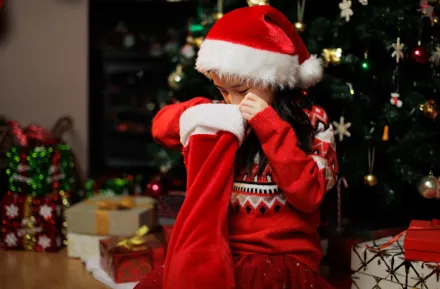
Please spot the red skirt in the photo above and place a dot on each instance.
(261, 272)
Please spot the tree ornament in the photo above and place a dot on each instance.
(429, 109)
(196, 41)
(257, 2)
(435, 56)
(394, 100)
(420, 54)
(188, 51)
(331, 55)
(371, 179)
(429, 186)
(341, 128)
(300, 8)
(346, 11)
(385, 135)
(398, 50)
(154, 187)
(175, 78)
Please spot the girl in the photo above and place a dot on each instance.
(287, 162)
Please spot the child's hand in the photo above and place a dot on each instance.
(251, 105)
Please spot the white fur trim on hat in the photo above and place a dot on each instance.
(310, 72)
(210, 119)
(256, 66)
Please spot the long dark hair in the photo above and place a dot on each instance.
(290, 105)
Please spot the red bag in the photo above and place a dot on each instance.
(422, 241)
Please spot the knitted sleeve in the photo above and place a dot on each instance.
(165, 126)
(304, 178)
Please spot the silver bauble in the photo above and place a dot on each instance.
(428, 186)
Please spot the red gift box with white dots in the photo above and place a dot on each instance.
(40, 230)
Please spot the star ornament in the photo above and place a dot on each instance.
(346, 11)
(341, 128)
(398, 50)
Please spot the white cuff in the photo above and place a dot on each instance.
(210, 119)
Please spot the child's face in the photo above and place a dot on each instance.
(233, 91)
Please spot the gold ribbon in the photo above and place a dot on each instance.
(28, 221)
(136, 242)
(106, 206)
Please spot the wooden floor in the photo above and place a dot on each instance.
(32, 270)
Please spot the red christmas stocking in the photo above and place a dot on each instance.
(198, 256)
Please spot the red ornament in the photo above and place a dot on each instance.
(154, 187)
(420, 55)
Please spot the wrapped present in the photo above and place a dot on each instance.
(169, 205)
(83, 246)
(422, 241)
(339, 249)
(111, 215)
(32, 223)
(378, 266)
(129, 259)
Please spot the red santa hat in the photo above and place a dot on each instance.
(260, 46)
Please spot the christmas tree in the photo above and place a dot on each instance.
(380, 87)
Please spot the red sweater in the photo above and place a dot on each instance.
(276, 212)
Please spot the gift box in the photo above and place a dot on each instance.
(339, 250)
(129, 259)
(169, 205)
(376, 267)
(83, 246)
(32, 223)
(111, 215)
(422, 241)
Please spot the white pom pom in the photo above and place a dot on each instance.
(310, 72)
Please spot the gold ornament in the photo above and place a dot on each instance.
(371, 179)
(331, 55)
(175, 78)
(300, 8)
(257, 2)
(429, 109)
(429, 187)
(299, 26)
(195, 41)
(217, 16)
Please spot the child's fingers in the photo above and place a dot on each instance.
(247, 102)
(247, 109)
(251, 96)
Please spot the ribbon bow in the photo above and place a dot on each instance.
(33, 131)
(332, 56)
(123, 203)
(134, 243)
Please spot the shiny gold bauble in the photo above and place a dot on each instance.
(299, 27)
(428, 186)
(175, 79)
(370, 180)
